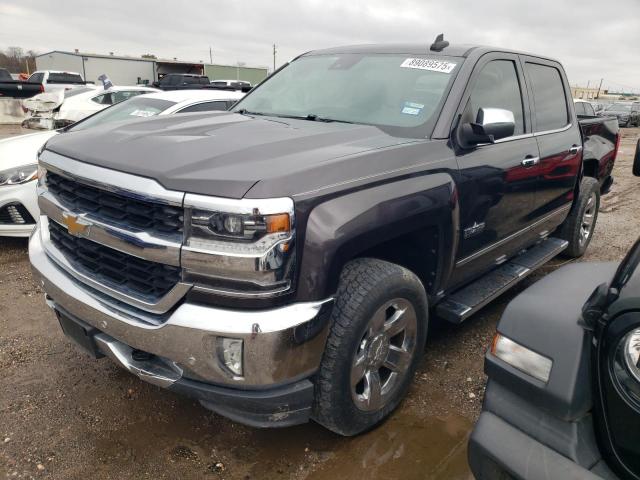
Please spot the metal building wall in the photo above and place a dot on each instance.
(120, 71)
(60, 61)
(228, 72)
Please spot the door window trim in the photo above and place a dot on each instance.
(524, 59)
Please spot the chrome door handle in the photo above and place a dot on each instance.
(530, 161)
(575, 149)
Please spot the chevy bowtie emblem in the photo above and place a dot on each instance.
(76, 226)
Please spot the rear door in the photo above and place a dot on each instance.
(556, 130)
(496, 187)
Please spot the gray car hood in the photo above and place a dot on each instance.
(222, 154)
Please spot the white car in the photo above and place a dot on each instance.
(62, 108)
(18, 155)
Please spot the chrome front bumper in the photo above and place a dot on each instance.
(281, 345)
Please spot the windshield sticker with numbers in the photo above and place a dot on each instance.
(429, 64)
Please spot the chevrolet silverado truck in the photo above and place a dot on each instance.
(563, 396)
(280, 262)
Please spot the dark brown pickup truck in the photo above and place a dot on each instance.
(281, 261)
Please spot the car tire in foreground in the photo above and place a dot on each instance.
(579, 226)
(376, 339)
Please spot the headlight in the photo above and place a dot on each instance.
(626, 366)
(15, 176)
(520, 357)
(239, 247)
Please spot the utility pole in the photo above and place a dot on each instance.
(598, 94)
(274, 57)
(210, 55)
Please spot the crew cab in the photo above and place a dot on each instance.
(280, 262)
(563, 396)
(182, 81)
(54, 80)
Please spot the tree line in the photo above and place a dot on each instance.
(16, 60)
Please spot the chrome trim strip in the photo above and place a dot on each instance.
(161, 306)
(557, 130)
(133, 186)
(499, 243)
(138, 244)
(243, 206)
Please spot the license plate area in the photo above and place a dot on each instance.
(80, 332)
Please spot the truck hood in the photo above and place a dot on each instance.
(222, 154)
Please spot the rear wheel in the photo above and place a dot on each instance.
(579, 226)
(377, 335)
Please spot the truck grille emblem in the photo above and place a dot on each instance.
(76, 226)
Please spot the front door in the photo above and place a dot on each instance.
(497, 185)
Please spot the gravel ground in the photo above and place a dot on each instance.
(64, 415)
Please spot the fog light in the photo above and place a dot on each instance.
(231, 354)
(521, 357)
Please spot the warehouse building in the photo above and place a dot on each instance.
(130, 70)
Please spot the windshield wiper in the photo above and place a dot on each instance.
(317, 118)
(244, 111)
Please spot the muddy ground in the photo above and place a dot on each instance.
(64, 415)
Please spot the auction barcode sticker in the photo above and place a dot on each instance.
(429, 64)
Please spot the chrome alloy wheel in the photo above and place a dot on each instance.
(587, 224)
(384, 354)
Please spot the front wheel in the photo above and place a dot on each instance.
(376, 339)
(579, 226)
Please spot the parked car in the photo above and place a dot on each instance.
(231, 84)
(62, 108)
(563, 395)
(182, 81)
(628, 114)
(17, 88)
(18, 198)
(583, 108)
(279, 262)
(53, 80)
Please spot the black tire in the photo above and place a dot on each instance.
(573, 228)
(367, 288)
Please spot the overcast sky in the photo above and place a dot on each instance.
(593, 38)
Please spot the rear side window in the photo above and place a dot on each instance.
(206, 107)
(588, 110)
(497, 86)
(548, 97)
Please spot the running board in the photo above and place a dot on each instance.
(463, 303)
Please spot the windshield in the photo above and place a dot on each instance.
(619, 107)
(138, 107)
(391, 90)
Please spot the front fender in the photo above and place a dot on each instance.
(342, 228)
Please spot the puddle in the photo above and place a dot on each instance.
(403, 448)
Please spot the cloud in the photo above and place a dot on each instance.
(593, 42)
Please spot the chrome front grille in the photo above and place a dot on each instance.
(141, 279)
(114, 208)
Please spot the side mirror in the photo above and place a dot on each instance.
(491, 124)
(636, 161)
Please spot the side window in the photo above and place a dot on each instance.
(497, 86)
(36, 78)
(104, 99)
(205, 107)
(125, 95)
(549, 98)
(588, 110)
(579, 108)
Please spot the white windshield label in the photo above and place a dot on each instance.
(429, 64)
(142, 113)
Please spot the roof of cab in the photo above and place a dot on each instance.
(452, 50)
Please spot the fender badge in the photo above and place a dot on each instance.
(76, 226)
(474, 229)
